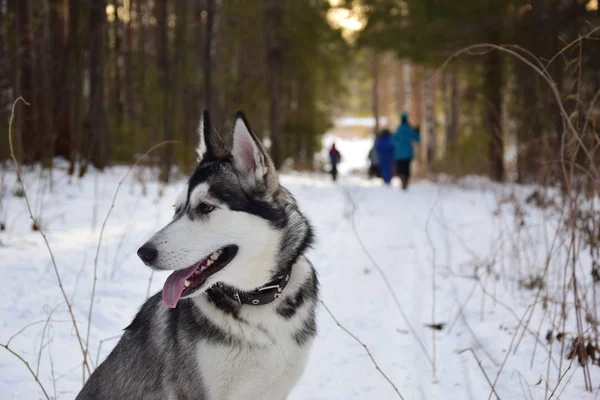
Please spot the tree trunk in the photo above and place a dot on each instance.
(430, 117)
(215, 51)
(554, 133)
(207, 55)
(211, 62)
(6, 77)
(5, 72)
(416, 111)
(452, 134)
(229, 20)
(416, 106)
(273, 30)
(60, 91)
(451, 111)
(42, 88)
(27, 135)
(375, 91)
(400, 90)
(139, 107)
(98, 147)
(195, 103)
(530, 125)
(128, 103)
(493, 113)
(74, 81)
(118, 102)
(163, 68)
(14, 67)
(200, 36)
(181, 90)
(246, 67)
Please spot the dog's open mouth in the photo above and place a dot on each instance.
(186, 281)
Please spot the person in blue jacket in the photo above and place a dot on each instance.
(403, 141)
(385, 154)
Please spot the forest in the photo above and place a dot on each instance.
(107, 80)
(486, 109)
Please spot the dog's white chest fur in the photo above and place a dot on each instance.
(252, 374)
(268, 361)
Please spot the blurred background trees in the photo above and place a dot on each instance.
(490, 108)
(107, 79)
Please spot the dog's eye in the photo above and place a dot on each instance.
(205, 208)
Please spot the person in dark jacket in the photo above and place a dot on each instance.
(335, 157)
(385, 153)
(373, 163)
(403, 141)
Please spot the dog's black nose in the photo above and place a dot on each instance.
(147, 253)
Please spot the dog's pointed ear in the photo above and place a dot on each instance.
(210, 143)
(251, 159)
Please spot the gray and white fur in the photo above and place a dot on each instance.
(211, 346)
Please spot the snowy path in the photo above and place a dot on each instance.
(447, 228)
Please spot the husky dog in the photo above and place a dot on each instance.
(236, 317)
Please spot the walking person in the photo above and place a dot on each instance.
(385, 153)
(335, 157)
(373, 163)
(403, 141)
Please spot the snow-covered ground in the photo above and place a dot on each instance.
(429, 242)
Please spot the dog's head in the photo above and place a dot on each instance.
(225, 228)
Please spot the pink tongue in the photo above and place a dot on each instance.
(175, 284)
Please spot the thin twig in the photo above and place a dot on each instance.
(544, 75)
(516, 317)
(112, 205)
(487, 378)
(589, 113)
(567, 383)
(507, 354)
(569, 45)
(37, 370)
(149, 284)
(385, 279)
(27, 365)
(466, 323)
(433, 275)
(23, 329)
(506, 307)
(57, 273)
(365, 347)
(538, 334)
(52, 371)
(561, 378)
(100, 346)
(550, 355)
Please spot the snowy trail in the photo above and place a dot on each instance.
(394, 229)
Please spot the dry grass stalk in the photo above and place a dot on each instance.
(30, 211)
(112, 206)
(33, 374)
(487, 378)
(385, 279)
(365, 347)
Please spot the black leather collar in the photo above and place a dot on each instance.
(263, 295)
